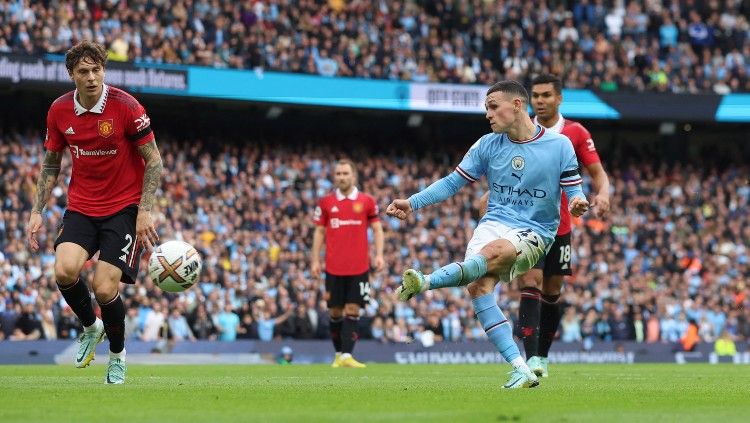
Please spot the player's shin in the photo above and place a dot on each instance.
(335, 330)
(548, 323)
(528, 317)
(497, 328)
(457, 274)
(113, 316)
(79, 299)
(349, 333)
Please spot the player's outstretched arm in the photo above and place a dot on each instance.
(438, 191)
(144, 226)
(47, 180)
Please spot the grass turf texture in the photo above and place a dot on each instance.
(454, 393)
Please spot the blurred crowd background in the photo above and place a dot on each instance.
(679, 46)
(673, 254)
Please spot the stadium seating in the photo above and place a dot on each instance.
(606, 45)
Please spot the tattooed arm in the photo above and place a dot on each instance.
(144, 227)
(152, 175)
(47, 181)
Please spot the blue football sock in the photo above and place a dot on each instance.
(457, 274)
(496, 326)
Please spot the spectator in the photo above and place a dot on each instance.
(725, 346)
(27, 327)
(178, 326)
(202, 325)
(228, 323)
(570, 326)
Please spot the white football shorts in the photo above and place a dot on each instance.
(529, 245)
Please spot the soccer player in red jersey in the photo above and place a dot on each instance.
(539, 312)
(342, 219)
(116, 171)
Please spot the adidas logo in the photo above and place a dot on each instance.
(70, 131)
(335, 209)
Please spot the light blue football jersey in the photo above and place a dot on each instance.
(525, 178)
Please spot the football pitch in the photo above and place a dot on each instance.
(453, 393)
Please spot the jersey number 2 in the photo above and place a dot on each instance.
(126, 248)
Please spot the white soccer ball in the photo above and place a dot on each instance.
(174, 266)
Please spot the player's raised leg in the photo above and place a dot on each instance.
(516, 258)
(454, 274)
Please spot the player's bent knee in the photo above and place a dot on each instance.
(531, 279)
(66, 272)
(105, 292)
(499, 253)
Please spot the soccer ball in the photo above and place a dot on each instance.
(174, 266)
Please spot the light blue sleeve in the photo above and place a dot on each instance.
(570, 177)
(471, 168)
(474, 164)
(438, 191)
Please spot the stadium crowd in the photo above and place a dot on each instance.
(673, 253)
(680, 46)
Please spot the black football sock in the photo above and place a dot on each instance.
(79, 299)
(336, 324)
(113, 315)
(529, 320)
(349, 333)
(548, 322)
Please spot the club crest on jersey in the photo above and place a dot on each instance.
(518, 163)
(357, 207)
(106, 127)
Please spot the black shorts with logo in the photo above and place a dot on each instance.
(347, 289)
(113, 236)
(557, 261)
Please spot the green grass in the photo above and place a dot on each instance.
(453, 393)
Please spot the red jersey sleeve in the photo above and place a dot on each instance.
(373, 211)
(54, 140)
(320, 217)
(138, 129)
(584, 147)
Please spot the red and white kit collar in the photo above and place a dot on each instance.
(98, 107)
(352, 195)
(557, 127)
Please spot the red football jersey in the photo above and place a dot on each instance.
(586, 154)
(107, 173)
(346, 220)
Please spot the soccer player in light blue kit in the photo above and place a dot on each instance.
(525, 167)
